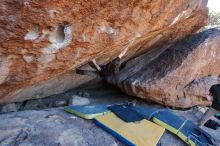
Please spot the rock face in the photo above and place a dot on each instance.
(51, 127)
(43, 40)
(180, 76)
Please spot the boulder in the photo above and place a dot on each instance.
(42, 41)
(180, 76)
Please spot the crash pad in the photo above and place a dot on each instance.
(183, 128)
(126, 113)
(142, 133)
(88, 111)
(217, 116)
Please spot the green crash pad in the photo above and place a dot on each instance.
(183, 128)
(88, 111)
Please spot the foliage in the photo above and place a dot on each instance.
(214, 19)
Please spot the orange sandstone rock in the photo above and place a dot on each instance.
(181, 76)
(41, 41)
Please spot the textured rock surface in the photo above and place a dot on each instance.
(51, 127)
(54, 127)
(180, 76)
(50, 87)
(41, 40)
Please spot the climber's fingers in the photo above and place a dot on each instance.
(94, 65)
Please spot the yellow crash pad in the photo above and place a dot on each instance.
(141, 133)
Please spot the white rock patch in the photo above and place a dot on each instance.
(176, 19)
(107, 29)
(28, 58)
(60, 38)
(33, 34)
(52, 13)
